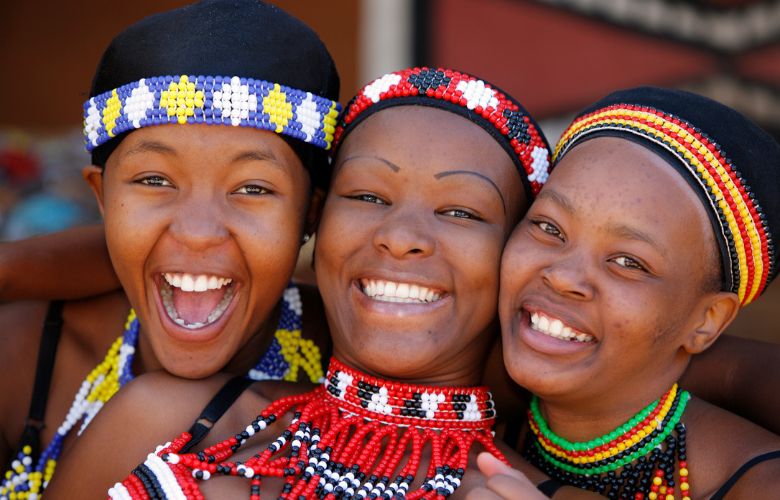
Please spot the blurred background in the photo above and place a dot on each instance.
(555, 56)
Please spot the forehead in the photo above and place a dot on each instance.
(613, 181)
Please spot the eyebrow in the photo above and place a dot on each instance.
(632, 233)
(262, 155)
(448, 173)
(150, 147)
(388, 163)
(557, 198)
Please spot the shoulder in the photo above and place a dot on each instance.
(719, 443)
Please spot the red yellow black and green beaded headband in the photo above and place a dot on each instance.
(749, 259)
(479, 101)
(235, 101)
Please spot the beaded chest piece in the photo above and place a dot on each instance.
(285, 357)
(355, 436)
(636, 460)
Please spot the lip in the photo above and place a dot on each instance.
(547, 344)
(398, 309)
(200, 335)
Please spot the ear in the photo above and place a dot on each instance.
(315, 210)
(719, 310)
(94, 177)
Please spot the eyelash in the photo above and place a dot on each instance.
(630, 263)
(548, 228)
(460, 213)
(154, 180)
(368, 198)
(253, 190)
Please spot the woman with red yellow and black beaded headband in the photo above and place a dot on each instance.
(411, 309)
(654, 229)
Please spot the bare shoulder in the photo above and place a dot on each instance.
(720, 442)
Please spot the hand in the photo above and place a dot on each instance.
(503, 482)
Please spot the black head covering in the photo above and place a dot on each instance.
(703, 139)
(245, 38)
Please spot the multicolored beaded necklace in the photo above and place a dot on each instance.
(347, 439)
(286, 355)
(636, 460)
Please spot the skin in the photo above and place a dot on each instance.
(197, 199)
(626, 267)
(421, 226)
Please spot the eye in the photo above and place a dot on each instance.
(154, 180)
(368, 198)
(548, 228)
(252, 190)
(629, 263)
(460, 213)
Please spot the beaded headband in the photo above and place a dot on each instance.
(480, 102)
(749, 262)
(240, 102)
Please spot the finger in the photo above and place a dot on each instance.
(490, 465)
(482, 494)
(514, 487)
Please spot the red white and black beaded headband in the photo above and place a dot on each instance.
(478, 101)
(748, 251)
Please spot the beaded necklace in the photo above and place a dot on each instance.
(636, 460)
(287, 353)
(347, 439)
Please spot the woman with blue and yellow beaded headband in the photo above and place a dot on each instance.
(208, 127)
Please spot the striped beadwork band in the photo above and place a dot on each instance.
(220, 100)
(477, 100)
(742, 226)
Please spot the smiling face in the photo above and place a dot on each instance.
(203, 225)
(408, 249)
(602, 281)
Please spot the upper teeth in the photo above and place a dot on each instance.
(555, 328)
(391, 291)
(195, 282)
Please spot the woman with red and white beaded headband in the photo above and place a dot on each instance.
(425, 192)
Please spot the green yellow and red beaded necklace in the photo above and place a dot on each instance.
(636, 460)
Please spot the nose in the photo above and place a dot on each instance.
(198, 223)
(405, 234)
(568, 277)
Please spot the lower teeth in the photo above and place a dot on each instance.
(166, 293)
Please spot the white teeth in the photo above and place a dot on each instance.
(390, 291)
(555, 328)
(198, 283)
(195, 283)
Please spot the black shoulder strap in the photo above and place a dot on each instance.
(217, 407)
(720, 494)
(47, 352)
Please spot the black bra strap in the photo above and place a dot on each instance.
(217, 407)
(719, 495)
(47, 352)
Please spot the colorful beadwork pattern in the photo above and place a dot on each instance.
(751, 256)
(214, 100)
(636, 460)
(503, 113)
(339, 444)
(283, 362)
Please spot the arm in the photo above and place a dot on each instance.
(741, 376)
(55, 266)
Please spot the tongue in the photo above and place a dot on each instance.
(195, 307)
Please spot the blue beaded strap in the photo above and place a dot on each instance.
(213, 100)
(273, 365)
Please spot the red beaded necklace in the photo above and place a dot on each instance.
(355, 436)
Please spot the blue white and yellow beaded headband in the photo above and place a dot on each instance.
(239, 102)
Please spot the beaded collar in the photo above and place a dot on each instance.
(348, 438)
(636, 460)
(286, 355)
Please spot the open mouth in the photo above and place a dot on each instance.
(195, 301)
(392, 291)
(556, 328)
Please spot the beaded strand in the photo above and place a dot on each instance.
(288, 353)
(636, 460)
(343, 442)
